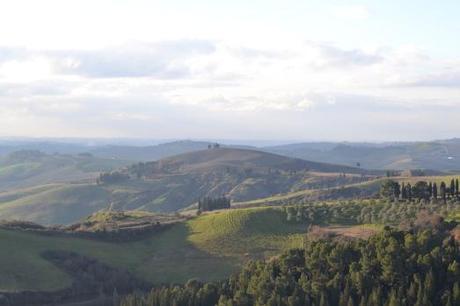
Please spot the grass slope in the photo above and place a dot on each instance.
(54, 204)
(164, 186)
(24, 169)
(208, 247)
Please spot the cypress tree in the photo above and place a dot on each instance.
(403, 191)
(409, 192)
(442, 191)
(456, 188)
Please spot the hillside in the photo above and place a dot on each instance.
(154, 152)
(149, 153)
(244, 158)
(241, 174)
(177, 182)
(208, 247)
(436, 155)
(21, 169)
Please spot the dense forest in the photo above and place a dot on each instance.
(419, 267)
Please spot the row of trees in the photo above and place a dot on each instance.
(363, 212)
(208, 203)
(391, 189)
(112, 177)
(393, 268)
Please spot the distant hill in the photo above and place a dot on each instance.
(28, 168)
(177, 182)
(436, 155)
(151, 153)
(240, 174)
(244, 158)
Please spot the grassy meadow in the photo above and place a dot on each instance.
(207, 247)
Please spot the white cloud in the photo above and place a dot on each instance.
(204, 88)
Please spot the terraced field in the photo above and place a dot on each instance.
(253, 232)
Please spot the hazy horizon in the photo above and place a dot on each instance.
(141, 142)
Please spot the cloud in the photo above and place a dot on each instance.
(449, 79)
(165, 60)
(204, 88)
(337, 57)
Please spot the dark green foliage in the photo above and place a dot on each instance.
(434, 193)
(374, 211)
(390, 189)
(442, 191)
(456, 188)
(421, 190)
(392, 268)
(92, 280)
(112, 177)
(208, 204)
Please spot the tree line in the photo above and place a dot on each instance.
(208, 203)
(112, 178)
(375, 211)
(392, 189)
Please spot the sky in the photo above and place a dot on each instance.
(302, 70)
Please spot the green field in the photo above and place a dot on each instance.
(54, 204)
(208, 247)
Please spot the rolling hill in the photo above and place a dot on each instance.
(154, 152)
(177, 182)
(208, 247)
(28, 168)
(440, 155)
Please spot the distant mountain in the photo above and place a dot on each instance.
(436, 155)
(156, 152)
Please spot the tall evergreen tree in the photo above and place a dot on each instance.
(457, 191)
(452, 188)
(435, 191)
(403, 191)
(442, 191)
